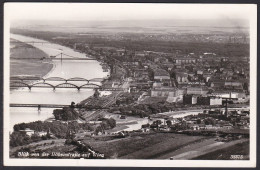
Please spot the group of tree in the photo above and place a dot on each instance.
(57, 128)
(65, 114)
(20, 138)
(141, 110)
(105, 125)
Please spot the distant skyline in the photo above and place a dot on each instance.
(125, 11)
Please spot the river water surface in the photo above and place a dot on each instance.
(87, 69)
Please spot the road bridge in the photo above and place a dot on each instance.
(50, 59)
(55, 57)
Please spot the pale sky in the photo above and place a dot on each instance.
(126, 11)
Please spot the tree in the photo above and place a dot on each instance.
(35, 137)
(65, 114)
(198, 121)
(206, 122)
(72, 105)
(96, 94)
(16, 139)
(169, 122)
(111, 122)
(98, 129)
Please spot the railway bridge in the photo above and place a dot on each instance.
(48, 79)
(20, 84)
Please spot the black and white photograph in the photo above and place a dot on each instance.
(130, 84)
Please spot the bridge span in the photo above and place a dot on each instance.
(53, 106)
(24, 58)
(20, 84)
(34, 78)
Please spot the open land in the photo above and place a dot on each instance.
(241, 148)
(142, 146)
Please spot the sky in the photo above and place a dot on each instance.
(125, 11)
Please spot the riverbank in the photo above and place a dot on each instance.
(37, 68)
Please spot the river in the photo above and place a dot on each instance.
(87, 69)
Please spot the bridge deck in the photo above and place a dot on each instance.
(20, 78)
(49, 106)
(16, 58)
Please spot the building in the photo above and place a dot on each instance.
(181, 77)
(190, 99)
(199, 72)
(195, 90)
(227, 84)
(164, 92)
(141, 75)
(42, 133)
(229, 94)
(140, 54)
(217, 83)
(157, 84)
(209, 100)
(116, 84)
(207, 76)
(27, 131)
(136, 87)
(184, 60)
(161, 75)
(233, 85)
(173, 94)
(133, 64)
(159, 59)
(121, 52)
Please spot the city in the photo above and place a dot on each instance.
(145, 89)
(155, 86)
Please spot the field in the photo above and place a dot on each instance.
(27, 67)
(142, 145)
(149, 145)
(225, 153)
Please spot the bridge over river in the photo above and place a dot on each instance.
(54, 106)
(19, 84)
(35, 78)
(24, 81)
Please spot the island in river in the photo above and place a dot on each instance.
(37, 68)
